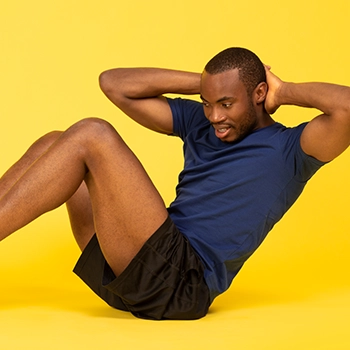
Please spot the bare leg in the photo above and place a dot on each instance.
(33, 153)
(78, 206)
(126, 206)
(81, 216)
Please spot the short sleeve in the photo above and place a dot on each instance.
(305, 166)
(187, 115)
(308, 165)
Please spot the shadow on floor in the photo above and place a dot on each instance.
(84, 301)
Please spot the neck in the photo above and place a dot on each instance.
(264, 119)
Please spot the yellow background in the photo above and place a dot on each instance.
(294, 292)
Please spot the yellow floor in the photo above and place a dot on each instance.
(263, 316)
(54, 318)
(278, 301)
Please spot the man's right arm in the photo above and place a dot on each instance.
(138, 92)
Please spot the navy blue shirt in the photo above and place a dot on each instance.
(230, 195)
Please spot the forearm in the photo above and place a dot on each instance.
(138, 93)
(138, 83)
(331, 99)
(327, 135)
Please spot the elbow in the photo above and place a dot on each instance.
(106, 81)
(343, 104)
(347, 108)
(112, 83)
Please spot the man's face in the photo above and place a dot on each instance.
(227, 105)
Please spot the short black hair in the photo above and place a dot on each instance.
(250, 68)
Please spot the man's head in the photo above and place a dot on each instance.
(251, 70)
(233, 91)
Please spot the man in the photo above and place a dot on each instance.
(242, 172)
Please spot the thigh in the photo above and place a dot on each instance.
(127, 207)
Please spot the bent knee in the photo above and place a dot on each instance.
(93, 125)
(52, 136)
(95, 129)
(45, 141)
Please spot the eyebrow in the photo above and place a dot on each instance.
(225, 98)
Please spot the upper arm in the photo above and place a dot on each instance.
(148, 109)
(326, 137)
(153, 113)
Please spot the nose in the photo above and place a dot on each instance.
(215, 116)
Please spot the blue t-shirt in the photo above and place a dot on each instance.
(230, 195)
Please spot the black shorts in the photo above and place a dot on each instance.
(164, 281)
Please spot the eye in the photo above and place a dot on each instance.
(226, 105)
(205, 104)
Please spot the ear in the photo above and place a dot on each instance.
(260, 93)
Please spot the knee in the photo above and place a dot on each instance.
(52, 136)
(94, 125)
(94, 129)
(44, 142)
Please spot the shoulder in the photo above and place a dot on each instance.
(181, 105)
(187, 115)
(304, 165)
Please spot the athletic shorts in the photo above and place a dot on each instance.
(164, 281)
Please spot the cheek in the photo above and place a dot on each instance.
(237, 114)
(206, 111)
(245, 118)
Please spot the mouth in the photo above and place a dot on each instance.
(221, 131)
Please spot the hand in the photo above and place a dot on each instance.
(274, 86)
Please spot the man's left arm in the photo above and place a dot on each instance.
(327, 135)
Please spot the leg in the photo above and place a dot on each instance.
(81, 216)
(79, 206)
(126, 206)
(21, 166)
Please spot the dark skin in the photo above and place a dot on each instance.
(90, 168)
(328, 134)
(231, 111)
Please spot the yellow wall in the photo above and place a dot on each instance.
(53, 51)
